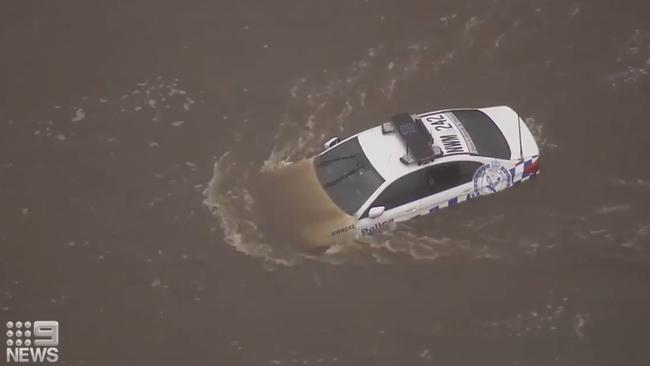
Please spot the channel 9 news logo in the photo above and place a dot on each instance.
(32, 342)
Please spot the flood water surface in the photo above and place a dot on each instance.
(155, 156)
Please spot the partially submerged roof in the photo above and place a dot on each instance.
(417, 139)
(383, 152)
(456, 133)
(426, 137)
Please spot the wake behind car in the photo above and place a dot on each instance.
(412, 165)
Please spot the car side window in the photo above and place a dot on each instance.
(425, 182)
(447, 176)
(408, 188)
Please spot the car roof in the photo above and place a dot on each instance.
(385, 150)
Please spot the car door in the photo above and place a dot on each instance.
(400, 201)
(453, 182)
(417, 192)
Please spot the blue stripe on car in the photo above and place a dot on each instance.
(526, 165)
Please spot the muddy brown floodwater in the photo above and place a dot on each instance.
(133, 136)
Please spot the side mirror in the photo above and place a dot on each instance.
(331, 142)
(375, 212)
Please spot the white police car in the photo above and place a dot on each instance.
(417, 164)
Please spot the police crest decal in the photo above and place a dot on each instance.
(491, 178)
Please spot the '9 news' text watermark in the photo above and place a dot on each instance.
(32, 342)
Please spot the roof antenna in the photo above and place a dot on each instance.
(521, 147)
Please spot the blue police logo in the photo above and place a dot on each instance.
(491, 178)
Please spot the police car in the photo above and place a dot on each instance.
(416, 164)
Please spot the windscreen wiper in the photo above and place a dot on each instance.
(343, 176)
(343, 157)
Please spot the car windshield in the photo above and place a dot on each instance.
(347, 175)
(485, 134)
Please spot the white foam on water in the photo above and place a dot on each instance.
(632, 74)
(79, 114)
(537, 129)
(159, 95)
(48, 132)
(446, 19)
(639, 239)
(604, 210)
(551, 316)
(426, 354)
(499, 40)
(469, 33)
(580, 322)
(634, 58)
(575, 10)
(638, 183)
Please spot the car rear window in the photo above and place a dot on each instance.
(485, 134)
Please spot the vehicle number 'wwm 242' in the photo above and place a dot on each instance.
(447, 132)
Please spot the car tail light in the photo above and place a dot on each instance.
(532, 168)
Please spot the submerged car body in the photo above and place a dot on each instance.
(415, 165)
